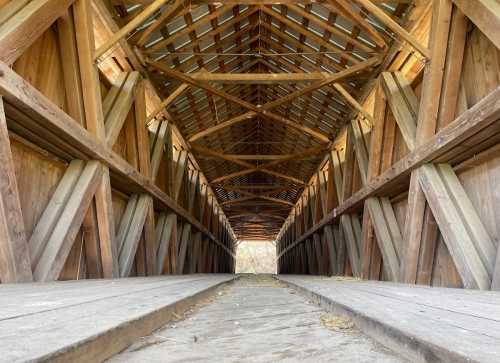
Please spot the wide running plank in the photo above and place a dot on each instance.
(424, 323)
(48, 321)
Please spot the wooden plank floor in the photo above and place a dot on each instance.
(429, 323)
(91, 319)
(256, 319)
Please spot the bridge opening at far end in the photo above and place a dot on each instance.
(255, 257)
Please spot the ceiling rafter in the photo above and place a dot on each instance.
(249, 83)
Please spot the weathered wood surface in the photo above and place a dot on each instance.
(90, 320)
(68, 135)
(255, 319)
(433, 324)
(479, 117)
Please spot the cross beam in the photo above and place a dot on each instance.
(264, 110)
(260, 78)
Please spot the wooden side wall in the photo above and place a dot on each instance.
(186, 238)
(359, 216)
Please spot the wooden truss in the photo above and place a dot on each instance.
(339, 128)
(79, 213)
(437, 202)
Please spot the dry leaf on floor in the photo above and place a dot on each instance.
(336, 322)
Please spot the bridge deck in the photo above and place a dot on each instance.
(92, 319)
(257, 319)
(424, 323)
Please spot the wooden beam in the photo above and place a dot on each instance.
(403, 103)
(250, 167)
(74, 140)
(130, 230)
(454, 61)
(253, 214)
(74, 99)
(388, 234)
(354, 103)
(132, 25)
(144, 162)
(220, 126)
(266, 157)
(94, 121)
(15, 265)
(166, 233)
(21, 27)
(438, 147)
(183, 246)
(380, 137)
(250, 186)
(193, 189)
(186, 31)
(244, 199)
(381, 211)
(495, 284)
(347, 10)
(428, 113)
(470, 245)
(164, 17)
(180, 170)
(276, 159)
(117, 105)
(265, 109)
(343, 164)
(157, 148)
(167, 102)
(219, 155)
(485, 14)
(195, 251)
(395, 27)
(335, 77)
(260, 78)
(60, 222)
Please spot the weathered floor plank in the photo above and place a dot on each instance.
(91, 320)
(424, 323)
(256, 319)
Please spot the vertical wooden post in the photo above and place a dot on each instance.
(95, 124)
(426, 126)
(15, 265)
(145, 168)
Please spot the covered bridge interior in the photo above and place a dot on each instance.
(142, 140)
